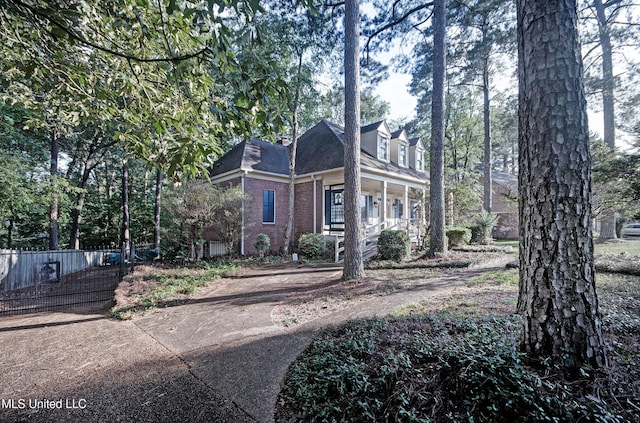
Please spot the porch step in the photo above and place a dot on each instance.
(369, 252)
(370, 249)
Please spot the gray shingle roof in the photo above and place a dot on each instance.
(254, 155)
(320, 148)
(415, 141)
(371, 127)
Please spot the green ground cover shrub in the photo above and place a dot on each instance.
(438, 368)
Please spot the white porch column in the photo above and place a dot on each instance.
(383, 206)
(242, 234)
(423, 207)
(315, 210)
(405, 206)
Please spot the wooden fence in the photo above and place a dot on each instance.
(22, 269)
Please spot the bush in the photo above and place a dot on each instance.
(477, 234)
(425, 368)
(485, 223)
(263, 243)
(393, 245)
(311, 246)
(458, 236)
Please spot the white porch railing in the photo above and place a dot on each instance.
(371, 232)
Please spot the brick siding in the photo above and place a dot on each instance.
(303, 208)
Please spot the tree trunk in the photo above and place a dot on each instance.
(353, 263)
(437, 241)
(608, 222)
(608, 83)
(557, 298)
(10, 234)
(53, 209)
(292, 160)
(488, 196)
(76, 212)
(156, 211)
(126, 233)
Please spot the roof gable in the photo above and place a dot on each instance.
(416, 142)
(400, 134)
(376, 126)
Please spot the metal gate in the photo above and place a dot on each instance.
(42, 285)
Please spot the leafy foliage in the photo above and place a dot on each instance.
(312, 246)
(173, 79)
(615, 179)
(485, 222)
(198, 206)
(424, 368)
(458, 236)
(263, 243)
(393, 245)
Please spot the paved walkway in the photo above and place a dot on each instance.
(218, 357)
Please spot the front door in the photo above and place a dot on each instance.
(334, 207)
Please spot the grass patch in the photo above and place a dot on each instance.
(151, 286)
(451, 260)
(497, 277)
(629, 247)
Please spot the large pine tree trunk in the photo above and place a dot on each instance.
(608, 83)
(353, 262)
(437, 239)
(557, 299)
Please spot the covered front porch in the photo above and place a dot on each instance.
(385, 203)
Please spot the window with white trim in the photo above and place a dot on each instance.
(383, 148)
(402, 155)
(420, 160)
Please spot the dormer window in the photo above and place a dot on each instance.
(383, 148)
(419, 160)
(402, 155)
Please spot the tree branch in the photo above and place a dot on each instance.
(395, 22)
(39, 14)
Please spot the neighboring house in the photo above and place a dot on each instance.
(393, 183)
(505, 205)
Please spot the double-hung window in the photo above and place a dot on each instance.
(402, 155)
(419, 160)
(383, 148)
(268, 206)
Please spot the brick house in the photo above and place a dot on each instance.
(505, 205)
(393, 183)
